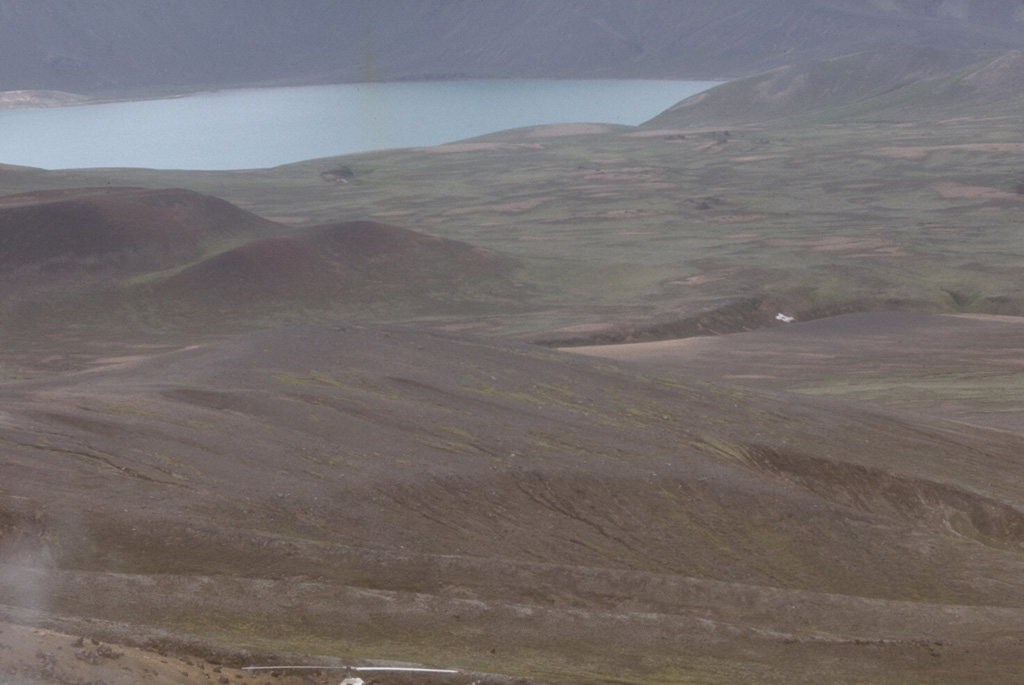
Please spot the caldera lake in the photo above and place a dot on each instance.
(266, 127)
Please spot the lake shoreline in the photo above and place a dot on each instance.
(254, 127)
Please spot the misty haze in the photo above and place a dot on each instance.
(519, 342)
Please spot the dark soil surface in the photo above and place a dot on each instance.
(374, 493)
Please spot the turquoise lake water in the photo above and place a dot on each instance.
(258, 128)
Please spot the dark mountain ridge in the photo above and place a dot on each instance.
(122, 47)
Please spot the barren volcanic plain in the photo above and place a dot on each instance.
(523, 407)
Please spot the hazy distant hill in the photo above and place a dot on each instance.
(124, 46)
(896, 83)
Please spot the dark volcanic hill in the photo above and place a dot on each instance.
(90, 226)
(139, 46)
(384, 493)
(357, 260)
(139, 258)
